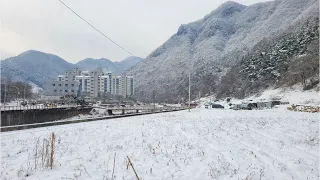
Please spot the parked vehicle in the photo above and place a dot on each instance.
(24, 103)
(206, 105)
(218, 106)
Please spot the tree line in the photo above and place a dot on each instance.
(12, 90)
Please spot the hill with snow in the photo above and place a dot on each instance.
(115, 67)
(210, 47)
(35, 66)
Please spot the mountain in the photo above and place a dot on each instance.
(286, 60)
(36, 67)
(90, 64)
(115, 67)
(129, 62)
(210, 47)
(33, 66)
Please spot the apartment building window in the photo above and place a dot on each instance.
(55, 90)
(66, 90)
(72, 90)
(59, 84)
(72, 85)
(66, 85)
(53, 84)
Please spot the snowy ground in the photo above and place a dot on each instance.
(293, 95)
(201, 144)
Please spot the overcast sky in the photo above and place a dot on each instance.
(140, 26)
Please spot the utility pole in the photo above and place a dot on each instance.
(167, 91)
(189, 92)
(18, 97)
(24, 92)
(153, 97)
(5, 93)
(210, 99)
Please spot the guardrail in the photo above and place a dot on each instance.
(145, 108)
(41, 106)
(27, 107)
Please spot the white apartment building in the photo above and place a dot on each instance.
(129, 86)
(63, 84)
(95, 83)
(123, 85)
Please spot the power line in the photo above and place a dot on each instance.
(95, 28)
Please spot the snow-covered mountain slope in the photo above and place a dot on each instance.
(115, 67)
(128, 62)
(208, 47)
(90, 64)
(35, 66)
(277, 62)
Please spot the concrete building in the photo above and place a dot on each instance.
(61, 87)
(123, 85)
(129, 86)
(117, 85)
(71, 75)
(83, 80)
(91, 84)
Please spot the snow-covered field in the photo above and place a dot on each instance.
(201, 144)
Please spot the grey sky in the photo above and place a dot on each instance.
(138, 25)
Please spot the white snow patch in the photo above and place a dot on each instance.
(35, 88)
